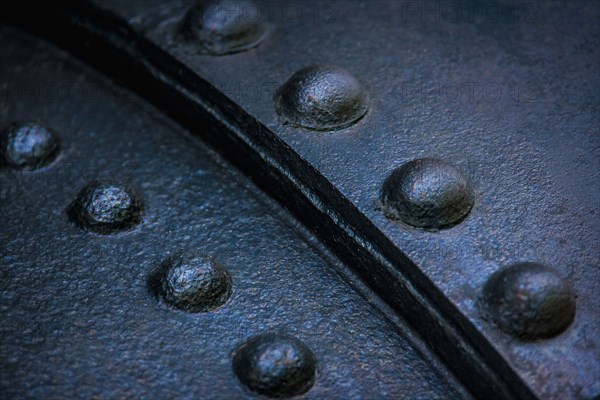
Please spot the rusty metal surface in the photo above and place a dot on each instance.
(78, 317)
(506, 92)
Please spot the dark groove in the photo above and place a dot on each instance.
(110, 45)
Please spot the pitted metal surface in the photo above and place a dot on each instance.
(507, 92)
(78, 318)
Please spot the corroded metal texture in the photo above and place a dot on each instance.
(504, 94)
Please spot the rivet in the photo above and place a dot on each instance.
(28, 146)
(427, 193)
(191, 282)
(321, 97)
(529, 301)
(225, 26)
(275, 365)
(105, 208)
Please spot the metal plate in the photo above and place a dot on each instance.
(78, 320)
(506, 91)
(413, 59)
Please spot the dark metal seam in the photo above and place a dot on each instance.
(109, 44)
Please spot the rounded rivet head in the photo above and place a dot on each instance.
(427, 193)
(321, 97)
(28, 146)
(275, 365)
(529, 301)
(192, 282)
(106, 208)
(225, 26)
